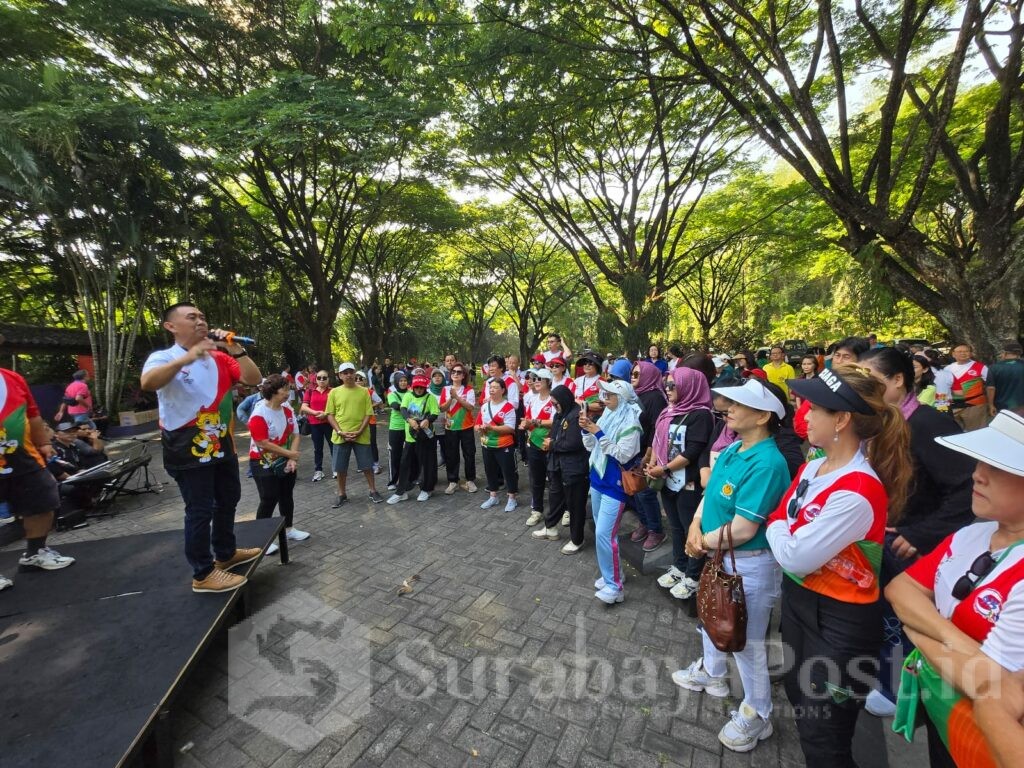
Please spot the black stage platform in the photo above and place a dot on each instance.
(91, 655)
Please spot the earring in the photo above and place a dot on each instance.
(835, 438)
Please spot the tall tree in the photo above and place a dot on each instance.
(929, 192)
(610, 148)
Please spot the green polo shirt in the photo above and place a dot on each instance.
(748, 483)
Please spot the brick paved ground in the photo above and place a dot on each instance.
(500, 656)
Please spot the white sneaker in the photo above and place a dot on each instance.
(670, 578)
(510, 505)
(565, 520)
(47, 559)
(452, 488)
(571, 549)
(684, 589)
(294, 534)
(878, 705)
(534, 518)
(490, 501)
(397, 497)
(424, 495)
(745, 729)
(599, 584)
(5, 583)
(334, 475)
(392, 487)
(318, 476)
(376, 469)
(470, 487)
(273, 549)
(696, 678)
(609, 595)
(551, 534)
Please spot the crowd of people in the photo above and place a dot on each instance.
(874, 495)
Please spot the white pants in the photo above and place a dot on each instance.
(762, 583)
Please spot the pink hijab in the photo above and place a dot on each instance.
(693, 394)
(650, 379)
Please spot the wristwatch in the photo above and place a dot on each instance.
(666, 470)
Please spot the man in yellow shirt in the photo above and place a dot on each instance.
(777, 369)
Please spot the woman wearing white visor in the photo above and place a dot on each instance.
(745, 485)
(963, 607)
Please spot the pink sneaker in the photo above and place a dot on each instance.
(653, 541)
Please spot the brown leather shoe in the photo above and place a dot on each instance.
(246, 555)
(218, 581)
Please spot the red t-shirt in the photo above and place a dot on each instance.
(316, 400)
(277, 426)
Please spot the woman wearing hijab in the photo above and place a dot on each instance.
(744, 487)
(397, 448)
(650, 389)
(614, 443)
(436, 387)
(568, 478)
(682, 432)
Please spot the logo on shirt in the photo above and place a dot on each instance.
(989, 604)
(727, 490)
(811, 511)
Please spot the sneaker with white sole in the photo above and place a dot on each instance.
(294, 534)
(685, 588)
(5, 583)
(423, 496)
(670, 578)
(511, 505)
(570, 549)
(451, 489)
(565, 520)
(397, 497)
(318, 476)
(745, 729)
(471, 487)
(375, 497)
(46, 559)
(218, 581)
(376, 469)
(334, 475)
(392, 487)
(551, 534)
(273, 549)
(696, 678)
(609, 595)
(878, 705)
(600, 583)
(535, 517)
(490, 501)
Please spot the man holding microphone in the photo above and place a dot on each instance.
(193, 380)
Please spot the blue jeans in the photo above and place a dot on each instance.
(648, 509)
(211, 494)
(607, 512)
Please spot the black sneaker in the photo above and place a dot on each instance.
(341, 500)
(376, 498)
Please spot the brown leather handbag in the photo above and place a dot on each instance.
(633, 481)
(721, 605)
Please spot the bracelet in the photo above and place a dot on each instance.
(241, 354)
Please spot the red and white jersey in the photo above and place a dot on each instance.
(566, 381)
(549, 355)
(993, 613)
(266, 423)
(542, 410)
(586, 388)
(511, 389)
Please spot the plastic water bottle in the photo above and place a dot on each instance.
(850, 571)
(429, 432)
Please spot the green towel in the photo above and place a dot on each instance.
(909, 697)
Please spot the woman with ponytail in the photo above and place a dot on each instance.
(828, 534)
(938, 505)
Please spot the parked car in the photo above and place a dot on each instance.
(795, 349)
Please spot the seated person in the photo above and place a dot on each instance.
(78, 445)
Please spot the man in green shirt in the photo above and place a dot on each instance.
(348, 411)
(1005, 384)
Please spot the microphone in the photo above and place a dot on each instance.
(230, 337)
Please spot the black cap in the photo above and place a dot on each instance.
(828, 390)
(589, 356)
(64, 426)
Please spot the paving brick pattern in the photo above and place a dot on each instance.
(500, 656)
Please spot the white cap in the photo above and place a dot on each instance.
(542, 373)
(719, 361)
(1000, 444)
(753, 394)
(346, 366)
(621, 388)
